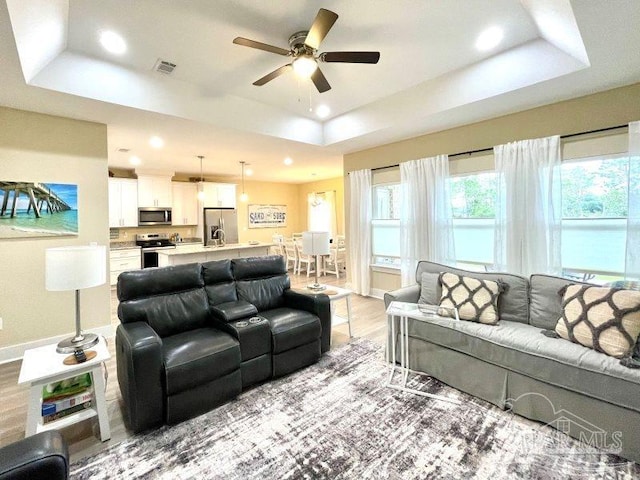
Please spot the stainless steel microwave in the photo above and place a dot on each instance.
(154, 216)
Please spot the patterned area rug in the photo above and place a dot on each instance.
(337, 420)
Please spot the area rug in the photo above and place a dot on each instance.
(337, 420)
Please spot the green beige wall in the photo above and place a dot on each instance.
(601, 110)
(43, 148)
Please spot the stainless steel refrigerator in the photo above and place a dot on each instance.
(225, 219)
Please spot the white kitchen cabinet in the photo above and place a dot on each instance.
(219, 195)
(123, 202)
(154, 191)
(184, 198)
(123, 260)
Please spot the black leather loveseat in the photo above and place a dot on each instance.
(194, 336)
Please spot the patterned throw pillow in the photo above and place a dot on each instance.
(605, 319)
(476, 300)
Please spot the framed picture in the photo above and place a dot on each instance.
(267, 216)
(32, 209)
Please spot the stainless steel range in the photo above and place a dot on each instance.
(149, 244)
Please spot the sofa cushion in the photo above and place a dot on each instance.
(430, 288)
(545, 299)
(217, 271)
(513, 304)
(264, 293)
(605, 319)
(476, 300)
(168, 313)
(230, 311)
(196, 357)
(219, 283)
(258, 267)
(291, 328)
(523, 349)
(158, 281)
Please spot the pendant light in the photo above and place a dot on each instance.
(201, 183)
(243, 197)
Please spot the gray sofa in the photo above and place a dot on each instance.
(515, 366)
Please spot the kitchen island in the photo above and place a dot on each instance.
(199, 253)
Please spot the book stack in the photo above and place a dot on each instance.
(66, 397)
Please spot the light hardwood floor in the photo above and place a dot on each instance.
(367, 320)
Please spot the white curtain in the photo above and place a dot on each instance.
(632, 268)
(321, 215)
(359, 236)
(426, 222)
(528, 207)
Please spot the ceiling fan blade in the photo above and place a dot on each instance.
(350, 57)
(245, 42)
(320, 27)
(320, 81)
(270, 76)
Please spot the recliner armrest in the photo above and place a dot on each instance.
(39, 457)
(406, 294)
(319, 305)
(140, 368)
(230, 311)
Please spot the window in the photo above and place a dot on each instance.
(473, 204)
(594, 213)
(385, 225)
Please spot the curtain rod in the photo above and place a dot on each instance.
(490, 149)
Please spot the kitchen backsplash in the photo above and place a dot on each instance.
(129, 234)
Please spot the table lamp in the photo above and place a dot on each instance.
(75, 268)
(315, 243)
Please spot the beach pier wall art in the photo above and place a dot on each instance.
(32, 209)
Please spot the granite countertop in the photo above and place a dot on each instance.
(191, 249)
(190, 241)
(122, 245)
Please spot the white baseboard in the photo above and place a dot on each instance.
(377, 293)
(16, 352)
(374, 292)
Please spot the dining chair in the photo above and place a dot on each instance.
(308, 260)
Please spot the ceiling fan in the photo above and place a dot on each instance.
(303, 47)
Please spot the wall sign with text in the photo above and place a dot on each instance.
(267, 216)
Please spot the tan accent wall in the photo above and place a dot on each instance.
(272, 194)
(601, 110)
(610, 108)
(44, 148)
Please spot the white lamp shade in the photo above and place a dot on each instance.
(315, 243)
(74, 268)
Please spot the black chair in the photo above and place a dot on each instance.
(43, 456)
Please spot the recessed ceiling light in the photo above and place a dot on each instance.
(156, 142)
(489, 38)
(288, 161)
(323, 111)
(112, 42)
(134, 160)
(248, 172)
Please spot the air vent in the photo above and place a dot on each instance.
(164, 67)
(124, 150)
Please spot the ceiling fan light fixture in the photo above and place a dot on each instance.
(304, 66)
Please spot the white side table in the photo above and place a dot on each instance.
(43, 365)
(405, 311)
(335, 294)
(341, 293)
